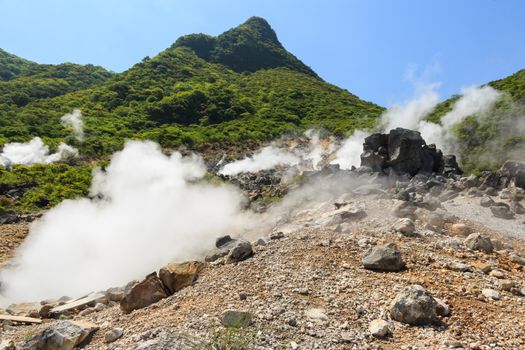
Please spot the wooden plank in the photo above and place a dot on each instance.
(77, 303)
(21, 319)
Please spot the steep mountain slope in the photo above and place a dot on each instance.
(239, 87)
(22, 81)
(486, 141)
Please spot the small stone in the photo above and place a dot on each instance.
(497, 273)
(294, 345)
(501, 211)
(460, 229)
(113, 334)
(347, 337)
(490, 293)
(222, 241)
(383, 258)
(379, 328)
(507, 285)
(316, 314)
(458, 266)
(486, 201)
(242, 296)
(517, 259)
(260, 242)
(86, 312)
(414, 306)
(242, 251)
(477, 241)
(276, 235)
(99, 307)
(405, 226)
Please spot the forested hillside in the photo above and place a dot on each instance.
(237, 87)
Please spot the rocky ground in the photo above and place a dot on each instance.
(381, 257)
(308, 288)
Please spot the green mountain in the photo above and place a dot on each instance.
(23, 81)
(241, 87)
(487, 141)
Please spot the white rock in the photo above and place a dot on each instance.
(379, 328)
(316, 314)
(490, 293)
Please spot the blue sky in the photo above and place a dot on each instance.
(368, 47)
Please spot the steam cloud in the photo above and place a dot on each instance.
(75, 122)
(35, 151)
(349, 154)
(151, 208)
(267, 158)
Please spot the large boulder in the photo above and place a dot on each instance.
(404, 151)
(62, 335)
(143, 294)
(383, 258)
(178, 275)
(414, 306)
(513, 173)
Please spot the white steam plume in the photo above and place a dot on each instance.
(151, 209)
(473, 101)
(349, 154)
(35, 151)
(410, 113)
(267, 158)
(75, 122)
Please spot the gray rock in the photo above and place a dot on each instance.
(414, 306)
(442, 309)
(404, 210)
(242, 251)
(486, 201)
(276, 235)
(458, 266)
(501, 210)
(477, 241)
(517, 207)
(223, 241)
(62, 335)
(517, 259)
(236, 319)
(113, 334)
(383, 258)
(143, 294)
(405, 226)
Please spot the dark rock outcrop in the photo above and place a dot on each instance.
(404, 151)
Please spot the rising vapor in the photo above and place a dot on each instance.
(149, 209)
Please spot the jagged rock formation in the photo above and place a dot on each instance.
(404, 151)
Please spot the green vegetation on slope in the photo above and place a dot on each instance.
(234, 90)
(30, 188)
(178, 98)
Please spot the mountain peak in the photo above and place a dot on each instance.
(262, 27)
(248, 47)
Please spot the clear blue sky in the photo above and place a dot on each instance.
(365, 46)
